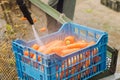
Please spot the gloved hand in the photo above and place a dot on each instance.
(25, 11)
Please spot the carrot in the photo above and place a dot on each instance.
(79, 76)
(67, 72)
(94, 69)
(73, 69)
(52, 46)
(91, 43)
(79, 66)
(58, 49)
(94, 51)
(81, 57)
(87, 62)
(87, 72)
(32, 55)
(35, 46)
(26, 53)
(96, 59)
(69, 40)
(39, 58)
(34, 20)
(48, 51)
(43, 29)
(87, 54)
(61, 75)
(52, 43)
(23, 18)
(67, 51)
(77, 45)
(41, 49)
(74, 59)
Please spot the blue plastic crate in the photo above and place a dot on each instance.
(69, 67)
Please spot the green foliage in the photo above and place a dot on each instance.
(9, 28)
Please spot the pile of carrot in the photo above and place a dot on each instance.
(61, 47)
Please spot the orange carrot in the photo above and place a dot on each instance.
(87, 62)
(58, 49)
(26, 53)
(87, 54)
(41, 49)
(67, 72)
(48, 51)
(94, 68)
(56, 43)
(67, 51)
(35, 46)
(96, 59)
(79, 76)
(61, 75)
(87, 72)
(91, 43)
(23, 18)
(81, 57)
(73, 69)
(43, 29)
(77, 45)
(69, 40)
(94, 51)
(34, 20)
(39, 58)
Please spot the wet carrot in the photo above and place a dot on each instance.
(35, 46)
(91, 43)
(52, 46)
(48, 51)
(77, 45)
(41, 49)
(53, 43)
(67, 51)
(58, 49)
(69, 40)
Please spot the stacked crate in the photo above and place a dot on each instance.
(113, 4)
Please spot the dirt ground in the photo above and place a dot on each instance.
(93, 14)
